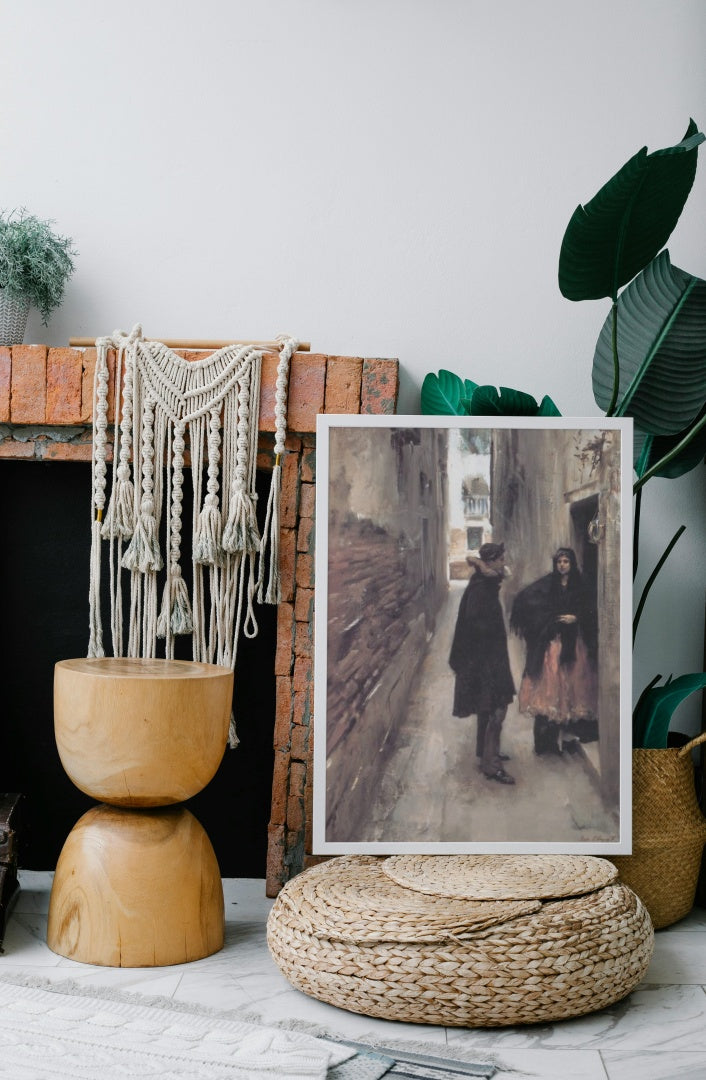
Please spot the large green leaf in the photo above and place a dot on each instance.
(661, 350)
(547, 407)
(610, 239)
(446, 394)
(648, 450)
(489, 401)
(653, 713)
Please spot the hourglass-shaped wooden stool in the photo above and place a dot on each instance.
(137, 883)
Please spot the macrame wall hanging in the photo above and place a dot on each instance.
(161, 400)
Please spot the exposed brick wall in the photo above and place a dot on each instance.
(375, 597)
(46, 399)
(386, 582)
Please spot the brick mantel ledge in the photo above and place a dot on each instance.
(52, 388)
(46, 397)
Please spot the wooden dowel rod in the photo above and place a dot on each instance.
(173, 343)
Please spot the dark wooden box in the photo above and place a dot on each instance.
(10, 832)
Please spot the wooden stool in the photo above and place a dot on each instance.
(137, 886)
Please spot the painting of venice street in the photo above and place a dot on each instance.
(432, 787)
(472, 620)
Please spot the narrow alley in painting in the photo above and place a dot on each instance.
(432, 788)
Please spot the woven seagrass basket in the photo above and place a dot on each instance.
(668, 833)
(346, 933)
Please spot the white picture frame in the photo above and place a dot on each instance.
(404, 505)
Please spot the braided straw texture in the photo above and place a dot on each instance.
(571, 957)
(501, 877)
(668, 834)
(360, 903)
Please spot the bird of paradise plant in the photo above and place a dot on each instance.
(650, 358)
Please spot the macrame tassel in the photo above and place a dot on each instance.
(233, 739)
(175, 614)
(99, 469)
(143, 552)
(120, 518)
(273, 593)
(95, 640)
(208, 548)
(241, 532)
(208, 540)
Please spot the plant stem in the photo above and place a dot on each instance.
(636, 533)
(669, 457)
(616, 365)
(638, 736)
(651, 579)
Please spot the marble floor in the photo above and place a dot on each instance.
(658, 1033)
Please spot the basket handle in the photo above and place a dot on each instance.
(690, 745)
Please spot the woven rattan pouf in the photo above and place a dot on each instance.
(513, 940)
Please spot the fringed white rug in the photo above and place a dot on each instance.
(62, 1030)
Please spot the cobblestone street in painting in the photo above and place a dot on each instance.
(432, 790)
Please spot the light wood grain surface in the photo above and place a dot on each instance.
(141, 732)
(136, 889)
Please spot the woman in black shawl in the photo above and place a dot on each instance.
(557, 621)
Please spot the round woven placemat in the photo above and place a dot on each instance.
(500, 877)
(360, 903)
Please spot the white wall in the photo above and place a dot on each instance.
(382, 177)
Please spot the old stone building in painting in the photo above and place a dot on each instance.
(387, 579)
(553, 488)
(469, 497)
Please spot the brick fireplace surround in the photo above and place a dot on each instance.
(45, 415)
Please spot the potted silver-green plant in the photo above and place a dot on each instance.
(35, 264)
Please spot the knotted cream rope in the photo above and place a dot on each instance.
(175, 616)
(161, 401)
(208, 548)
(100, 427)
(120, 518)
(273, 593)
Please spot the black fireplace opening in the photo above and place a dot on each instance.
(44, 561)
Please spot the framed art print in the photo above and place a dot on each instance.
(472, 657)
